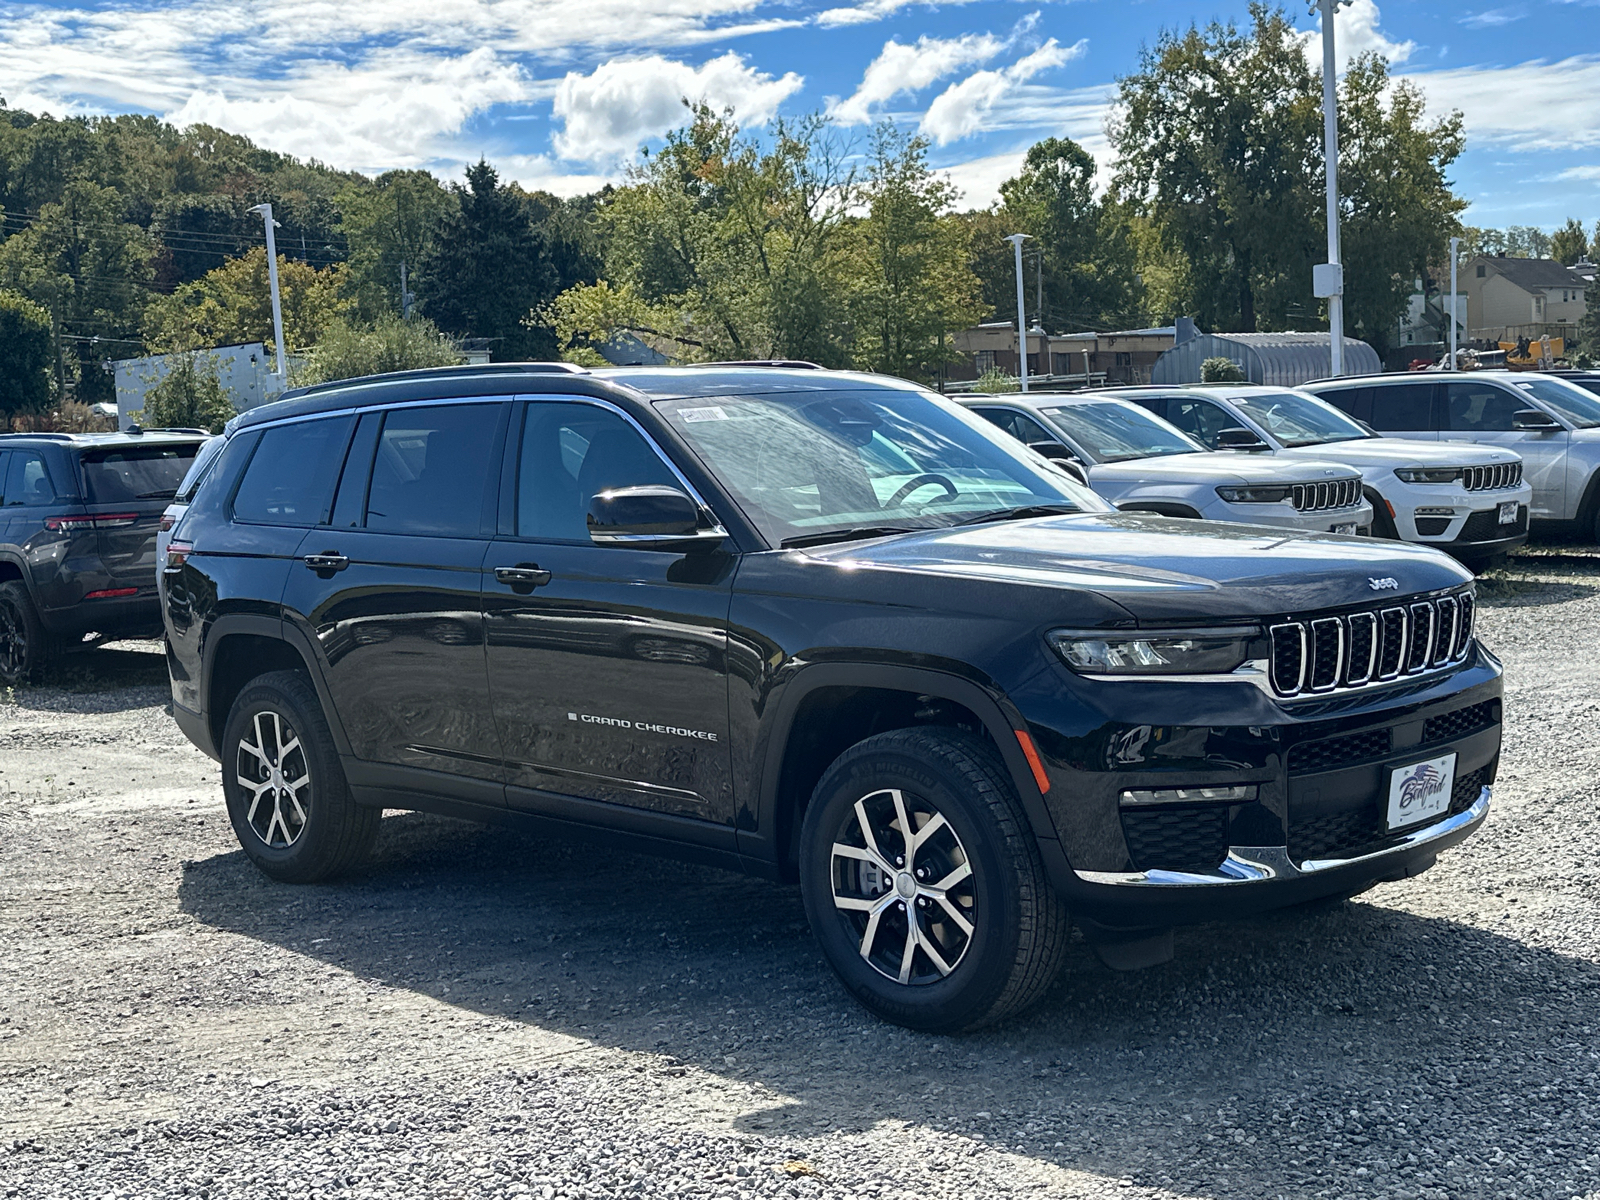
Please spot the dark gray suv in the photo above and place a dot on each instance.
(78, 521)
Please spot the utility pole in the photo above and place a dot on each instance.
(265, 212)
(1016, 240)
(1455, 254)
(1038, 291)
(406, 297)
(1328, 278)
(61, 360)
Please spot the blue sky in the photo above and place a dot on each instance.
(562, 93)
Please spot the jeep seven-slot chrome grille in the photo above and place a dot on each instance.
(1352, 650)
(1333, 493)
(1495, 475)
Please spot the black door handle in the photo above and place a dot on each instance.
(523, 577)
(326, 564)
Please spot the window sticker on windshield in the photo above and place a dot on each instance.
(713, 413)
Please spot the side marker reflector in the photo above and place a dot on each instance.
(1034, 763)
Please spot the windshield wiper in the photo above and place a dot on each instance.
(856, 534)
(168, 494)
(1022, 512)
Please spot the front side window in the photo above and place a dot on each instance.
(137, 473)
(27, 482)
(1024, 429)
(1480, 408)
(1574, 403)
(290, 477)
(1116, 431)
(1200, 419)
(429, 470)
(1296, 419)
(808, 463)
(1402, 408)
(571, 453)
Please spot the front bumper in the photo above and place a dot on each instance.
(1284, 516)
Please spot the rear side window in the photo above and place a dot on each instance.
(137, 473)
(27, 481)
(199, 468)
(429, 470)
(1402, 407)
(291, 475)
(1355, 401)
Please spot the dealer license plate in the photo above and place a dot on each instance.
(1420, 791)
(1508, 513)
(1345, 527)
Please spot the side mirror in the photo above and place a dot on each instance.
(650, 518)
(1534, 420)
(1062, 457)
(1239, 438)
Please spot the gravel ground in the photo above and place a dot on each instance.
(483, 1015)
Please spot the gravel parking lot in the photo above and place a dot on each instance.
(478, 1014)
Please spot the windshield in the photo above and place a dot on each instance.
(142, 473)
(1115, 431)
(198, 469)
(807, 463)
(1569, 400)
(1297, 420)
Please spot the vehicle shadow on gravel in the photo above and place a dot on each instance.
(105, 673)
(1264, 1050)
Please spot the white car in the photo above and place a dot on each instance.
(1470, 501)
(204, 457)
(1143, 464)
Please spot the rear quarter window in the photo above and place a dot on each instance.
(136, 473)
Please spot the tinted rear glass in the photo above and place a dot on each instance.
(138, 473)
(1402, 407)
(290, 477)
(428, 474)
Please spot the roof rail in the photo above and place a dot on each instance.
(51, 436)
(510, 368)
(792, 364)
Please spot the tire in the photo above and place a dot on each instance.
(26, 647)
(954, 980)
(1383, 525)
(286, 791)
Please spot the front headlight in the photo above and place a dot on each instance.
(1157, 652)
(1427, 474)
(1255, 495)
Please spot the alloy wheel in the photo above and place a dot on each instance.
(903, 884)
(272, 768)
(13, 641)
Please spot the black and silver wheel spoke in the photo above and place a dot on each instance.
(13, 641)
(902, 882)
(271, 767)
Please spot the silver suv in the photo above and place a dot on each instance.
(1142, 464)
(1553, 424)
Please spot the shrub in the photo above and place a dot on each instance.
(1221, 370)
(189, 395)
(994, 380)
(389, 344)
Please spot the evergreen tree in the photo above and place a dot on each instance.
(1569, 243)
(489, 267)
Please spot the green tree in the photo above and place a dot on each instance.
(390, 343)
(488, 268)
(233, 304)
(26, 349)
(913, 286)
(1218, 135)
(1221, 370)
(391, 221)
(1569, 243)
(190, 396)
(1398, 211)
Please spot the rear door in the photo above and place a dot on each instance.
(126, 490)
(608, 676)
(1481, 412)
(389, 589)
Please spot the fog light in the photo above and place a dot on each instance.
(1191, 795)
(1435, 512)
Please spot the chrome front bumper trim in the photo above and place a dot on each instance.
(1256, 864)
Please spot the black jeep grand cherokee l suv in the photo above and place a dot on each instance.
(822, 627)
(78, 520)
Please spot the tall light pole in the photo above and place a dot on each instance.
(1455, 254)
(1016, 240)
(1328, 277)
(265, 212)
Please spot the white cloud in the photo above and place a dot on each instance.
(1585, 173)
(901, 68)
(1356, 32)
(1537, 105)
(609, 112)
(540, 173)
(970, 106)
(1493, 18)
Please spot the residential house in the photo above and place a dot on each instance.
(1524, 297)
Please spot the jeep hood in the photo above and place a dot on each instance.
(1160, 570)
(1403, 452)
(1216, 467)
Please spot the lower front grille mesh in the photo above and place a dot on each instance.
(1177, 839)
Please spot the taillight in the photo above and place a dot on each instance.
(96, 521)
(167, 522)
(111, 593)
(178, 554)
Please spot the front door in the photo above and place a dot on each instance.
(390, 589)
(1482, 413)
(606, 664)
